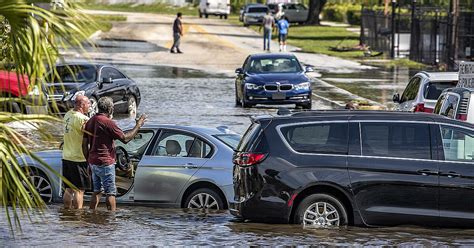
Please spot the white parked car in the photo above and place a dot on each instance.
(219, 8)
(456, 103)
(423, 91)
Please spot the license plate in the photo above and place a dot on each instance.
(278, 96)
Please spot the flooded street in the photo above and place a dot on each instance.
(180, 95)
(136, 225)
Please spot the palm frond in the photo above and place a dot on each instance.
(31, 39)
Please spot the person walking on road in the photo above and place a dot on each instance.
(75, 168)
(177, 33)
(283, 26)
(268, 24)
(98, 142)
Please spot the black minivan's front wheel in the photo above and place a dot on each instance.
(321, 210)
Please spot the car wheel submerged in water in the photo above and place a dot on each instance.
(321, 210)
(204, 199)
(42, 185)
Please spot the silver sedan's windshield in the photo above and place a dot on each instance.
(272, 65)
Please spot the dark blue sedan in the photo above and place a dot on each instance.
(272, 79)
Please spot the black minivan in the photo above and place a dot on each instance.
(334, 168)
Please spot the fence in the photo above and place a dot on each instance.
(426, 31)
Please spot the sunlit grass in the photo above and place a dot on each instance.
(159, 8)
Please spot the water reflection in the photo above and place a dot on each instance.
(137, 225)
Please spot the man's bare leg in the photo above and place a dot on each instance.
(78, 199)
(67, 198)
(95, 200)
(111, 204)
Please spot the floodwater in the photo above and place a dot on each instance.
(192, 97)
(144, 226)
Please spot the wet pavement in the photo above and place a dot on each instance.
(193, 97)
(144, 226)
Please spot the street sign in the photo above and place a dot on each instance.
(466, 75)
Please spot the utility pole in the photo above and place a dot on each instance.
(453, 34)
(392, 41)
(413, 33)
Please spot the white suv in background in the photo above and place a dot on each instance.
(423, 91)
(456, 103)
(219, 8)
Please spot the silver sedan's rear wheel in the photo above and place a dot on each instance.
(42, 185)
(204, 199)
(321, 210)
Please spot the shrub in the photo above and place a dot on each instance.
(344, 12)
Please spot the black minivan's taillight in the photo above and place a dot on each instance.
(248, 158)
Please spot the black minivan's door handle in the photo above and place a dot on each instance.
(426, 172)
(450, 174)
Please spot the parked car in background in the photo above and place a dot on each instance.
(373, 168)
(94, 81)
(219, 8)
(456, 103)
(423, 90)
(167, 165)
(295, 12)
(22, 97)
(253, 14)
(272, 79)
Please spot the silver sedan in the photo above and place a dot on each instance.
(165, 165)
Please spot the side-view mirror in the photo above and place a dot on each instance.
(396, 98)
(309, 69)
(239, 71)
(107, 80)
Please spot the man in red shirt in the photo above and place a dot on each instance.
(99, 148)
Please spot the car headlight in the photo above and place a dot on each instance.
(72, 97)
(302, 86)
(35, 91)
(250, 86)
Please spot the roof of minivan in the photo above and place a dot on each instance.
(366, 114)
(441, 76)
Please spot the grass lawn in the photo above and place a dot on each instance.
(158, 8)
(317, 39)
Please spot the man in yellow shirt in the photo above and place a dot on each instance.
(75, 168)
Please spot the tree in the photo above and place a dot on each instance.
(315, 8)
(30, 41)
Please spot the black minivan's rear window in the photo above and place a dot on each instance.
(321, 138)
(249, 137)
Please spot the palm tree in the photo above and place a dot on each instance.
(30, 41)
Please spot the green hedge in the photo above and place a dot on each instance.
(344, 12)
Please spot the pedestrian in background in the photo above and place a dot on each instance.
(268, 25)
(279, 14)
(75, 168)
(283, 26)
(177, 33)
(98, 143)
